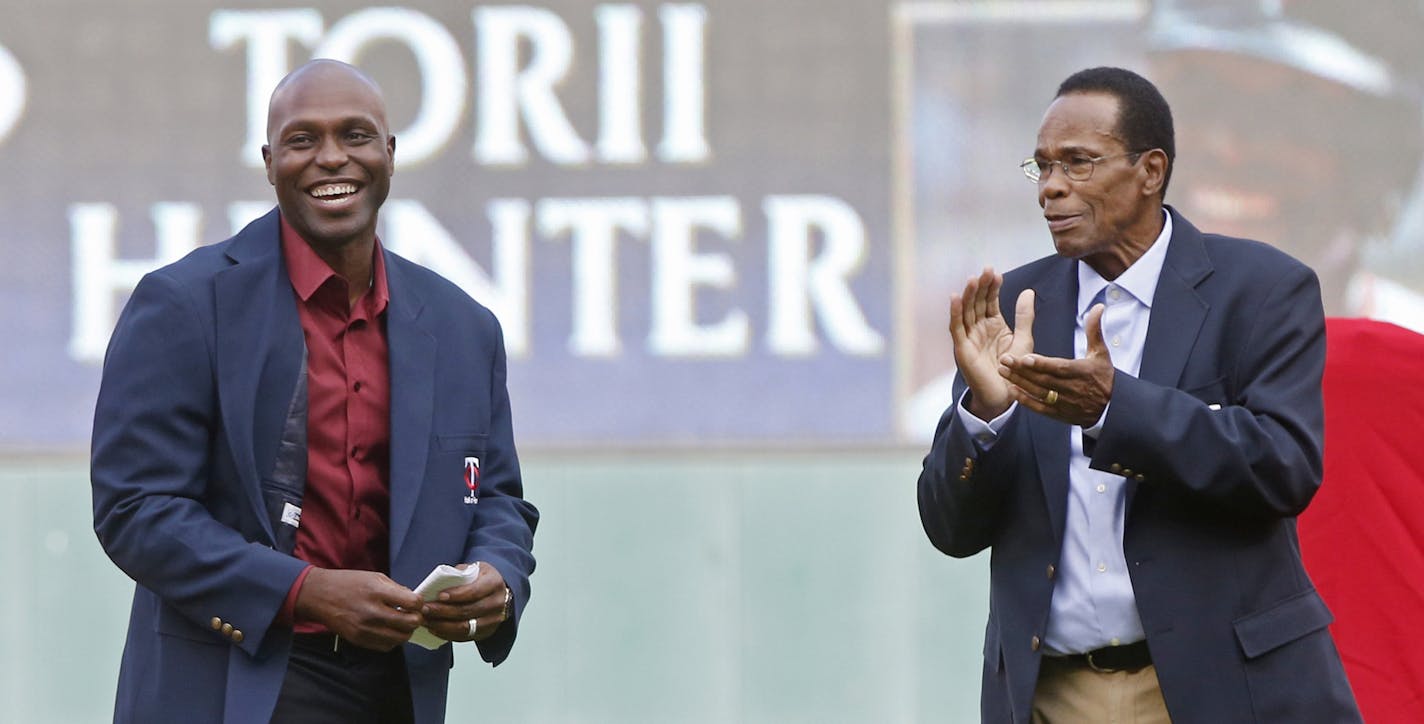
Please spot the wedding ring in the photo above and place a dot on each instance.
(1051, 398)
(474, 624)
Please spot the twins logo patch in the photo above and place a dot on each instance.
(472, 480)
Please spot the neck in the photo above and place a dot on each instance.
(1134, 241)
(352, 262)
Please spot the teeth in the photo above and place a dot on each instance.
(333, 190)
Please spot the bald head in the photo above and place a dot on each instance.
(330, 158)
(323, 78)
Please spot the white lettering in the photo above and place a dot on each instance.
(98, 275)
(678, 270)
(620, 134)
(799, 283)
(505, 92)
(12, 92)
(412, 232)
(267, 32)
(594, 225)
(442, 71)
(684, 84)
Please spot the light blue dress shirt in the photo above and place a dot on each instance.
(1093, 604)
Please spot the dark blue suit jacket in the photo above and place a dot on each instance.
(197, 380)
(1236, 630)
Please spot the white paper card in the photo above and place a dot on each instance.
(441, 578)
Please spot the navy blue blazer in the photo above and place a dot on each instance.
(1221, 439)
(196, 385)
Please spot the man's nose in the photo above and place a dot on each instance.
(331, 154)
(1052, 184)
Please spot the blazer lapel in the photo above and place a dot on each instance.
(259, 343)
(412, 357)
(1177, 312)
(1055, 316)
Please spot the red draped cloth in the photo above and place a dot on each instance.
(1363, 535)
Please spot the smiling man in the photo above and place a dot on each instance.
(294, 428)
(1138, 423)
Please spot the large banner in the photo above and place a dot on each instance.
(733, 222)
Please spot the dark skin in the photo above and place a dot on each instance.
(330, 156)
(1108, 222)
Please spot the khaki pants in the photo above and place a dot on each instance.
(1069, 693)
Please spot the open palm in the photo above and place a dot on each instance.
(981, 336)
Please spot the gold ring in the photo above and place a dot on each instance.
(1051, 398)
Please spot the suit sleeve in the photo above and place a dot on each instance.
(1260, 453)
(502, 532)
(961, 487)
(157, 500)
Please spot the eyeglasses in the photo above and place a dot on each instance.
(1078, 168)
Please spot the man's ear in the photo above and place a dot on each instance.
(391, 152)
(267, 161)
(1154, 166)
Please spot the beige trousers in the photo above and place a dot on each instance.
(1074, 694)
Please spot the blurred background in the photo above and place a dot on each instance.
(721, 237)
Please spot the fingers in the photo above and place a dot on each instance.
(450, 620)
(1093, 324)
(996, 282)
(465, 607)
(1023, 324)
(956, 319)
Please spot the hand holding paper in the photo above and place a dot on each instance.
(441, 578)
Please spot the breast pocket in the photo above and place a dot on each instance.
(461, 457)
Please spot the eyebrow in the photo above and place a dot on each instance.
(1067, 150)
(298, 124)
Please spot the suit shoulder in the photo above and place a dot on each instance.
(1025, 276)
(1249, 252)
(447, 296)
(197, 266)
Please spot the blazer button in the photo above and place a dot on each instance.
(1051, 571)
(237, 636)
(1115, 469)
(1139, 477)
(1034, 643)
(216, 623)
(227, 629)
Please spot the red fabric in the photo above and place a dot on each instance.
(346, 506)
(1363, 535)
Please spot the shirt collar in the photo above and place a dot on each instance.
(308, 272)
(1139, 280)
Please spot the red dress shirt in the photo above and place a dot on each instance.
(345, 520)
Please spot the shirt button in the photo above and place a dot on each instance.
(1114, 294)
(1115, 642)
(356, 387)
(1117, 341)
(1102, 488)
(355, 451)
(1102, 567)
